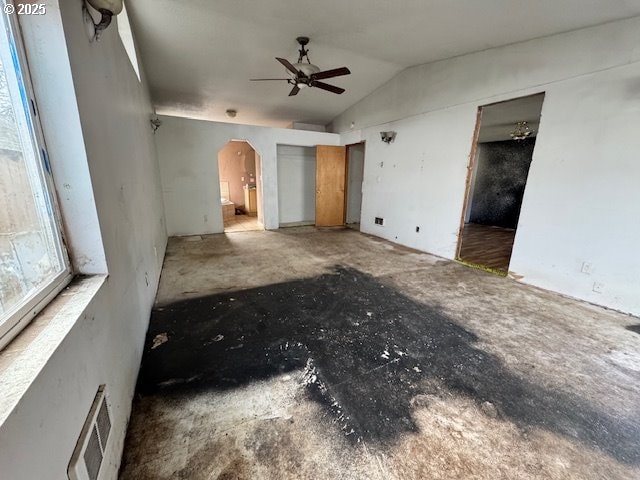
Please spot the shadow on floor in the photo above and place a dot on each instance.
(367, 350)
(634, 328)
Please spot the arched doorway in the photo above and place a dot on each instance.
(239, 171)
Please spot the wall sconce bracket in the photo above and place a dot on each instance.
(387, 137)
(94, 30)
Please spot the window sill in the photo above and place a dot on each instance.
(24, 358)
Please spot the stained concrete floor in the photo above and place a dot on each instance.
(314, 354)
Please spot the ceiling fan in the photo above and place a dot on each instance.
(307, 74)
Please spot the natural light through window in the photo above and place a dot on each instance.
(124, 28)
(32, 261)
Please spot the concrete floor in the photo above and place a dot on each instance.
(309, 354)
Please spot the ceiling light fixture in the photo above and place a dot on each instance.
(522, 131)
(107, 9)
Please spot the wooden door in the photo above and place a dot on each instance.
(331, 166)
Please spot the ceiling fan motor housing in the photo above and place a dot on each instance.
(307, 68)
(307, 74)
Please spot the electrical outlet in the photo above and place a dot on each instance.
(587, 268)
(598, 287)
(417, 229)
(379, 221)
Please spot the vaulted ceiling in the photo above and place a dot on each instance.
(200, 54)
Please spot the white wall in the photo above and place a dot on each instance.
(105, 346)
(187, 152)
(581, 195)
(355, 176)
(296, 184)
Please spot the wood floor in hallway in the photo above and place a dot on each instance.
(487, 245)
(331, 354)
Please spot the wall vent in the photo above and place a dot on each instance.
(89, 453)
(379, 221)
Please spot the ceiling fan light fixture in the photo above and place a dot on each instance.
(521, 132)
(305, 74)
(307, 68)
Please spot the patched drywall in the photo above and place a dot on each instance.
(296, 184)
(111, 111)
(499, 182)
(189, 169)
(580, 195)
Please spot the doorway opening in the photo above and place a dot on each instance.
(296, 185)
(355, 179)
(239, 169)
(500, 159)
(320, 185)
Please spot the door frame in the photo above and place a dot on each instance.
(346, 176)
(472, 161)
(467, 189)
(259, 185)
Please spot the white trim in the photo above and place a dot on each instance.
(67, 310)
(20, 315)
(26, 312)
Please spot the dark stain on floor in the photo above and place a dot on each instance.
(367, 350)
(634, 328)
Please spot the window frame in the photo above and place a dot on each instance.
(20, 316)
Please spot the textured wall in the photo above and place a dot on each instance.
(582, 186)
(110, 129)
(499, 182)
(189, 172)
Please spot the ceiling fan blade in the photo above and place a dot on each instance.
(326, 86)
(294, 90)
(336, 72)
(268, 79)
(288, 65)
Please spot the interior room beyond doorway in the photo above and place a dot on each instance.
(501, 159)
(239, 171)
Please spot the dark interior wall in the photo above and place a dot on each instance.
(501, 176)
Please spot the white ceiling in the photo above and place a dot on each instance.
(200, 54)
(499, 119)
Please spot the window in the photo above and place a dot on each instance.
(33, 263)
